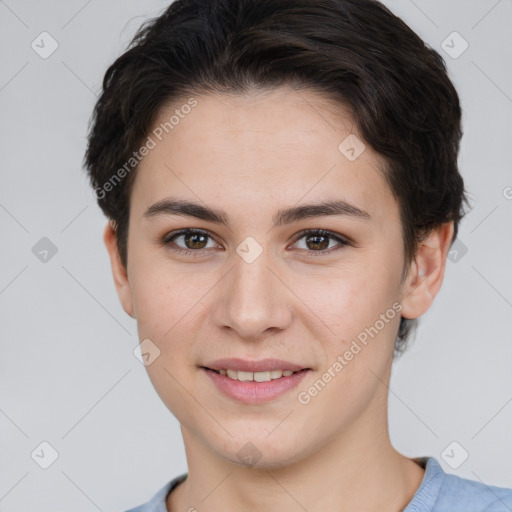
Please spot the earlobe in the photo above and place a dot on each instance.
(119, 271)
(426, 272)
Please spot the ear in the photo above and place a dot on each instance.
(426, 272)
(118, 269)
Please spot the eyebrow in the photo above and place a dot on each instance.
(174, 206)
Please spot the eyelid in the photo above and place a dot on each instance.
(319, 231)
(169, 237)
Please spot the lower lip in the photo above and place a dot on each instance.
(254, 392)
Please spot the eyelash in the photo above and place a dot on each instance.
(166, 241)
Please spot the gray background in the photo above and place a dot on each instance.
(68, 373)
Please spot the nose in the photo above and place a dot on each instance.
(253, 301)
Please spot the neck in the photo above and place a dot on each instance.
(359, 470)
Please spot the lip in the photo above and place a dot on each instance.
(254, 392)
(244, 365)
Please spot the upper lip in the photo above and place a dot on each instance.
(244, 365)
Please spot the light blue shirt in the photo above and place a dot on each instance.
(438, 492)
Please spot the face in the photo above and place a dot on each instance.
(262, 285)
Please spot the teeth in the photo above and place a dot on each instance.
(232, 374)
(256, 376)
(245, 376)
(262, 376)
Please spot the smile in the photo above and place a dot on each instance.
(254, 387)
(264, 376)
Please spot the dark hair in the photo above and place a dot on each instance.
(355, 52)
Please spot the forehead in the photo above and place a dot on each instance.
(267, 148)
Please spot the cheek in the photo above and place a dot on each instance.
(350, 302)
(358, 309)
(168, 309)
(355, 358)
(164, 295)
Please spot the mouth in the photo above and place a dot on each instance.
(260, 376)
(254, 382)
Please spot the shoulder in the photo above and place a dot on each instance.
(445, 492)
(157, 502)
(472, 496)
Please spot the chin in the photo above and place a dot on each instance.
(261, 451)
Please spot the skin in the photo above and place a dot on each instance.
(252, 155)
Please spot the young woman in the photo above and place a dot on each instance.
(282, 187)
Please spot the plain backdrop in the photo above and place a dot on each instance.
(68, 373)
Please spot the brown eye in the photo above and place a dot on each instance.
(194, 241)
(318, 241)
